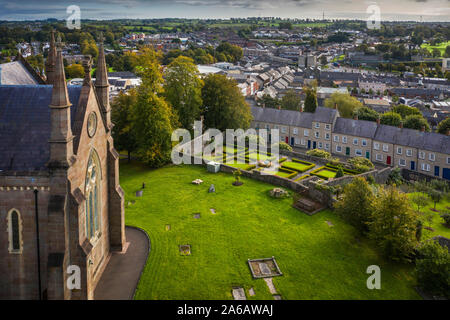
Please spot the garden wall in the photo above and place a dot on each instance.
(410, 175)
(303, 156)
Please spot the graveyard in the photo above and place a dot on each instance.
(203, 243)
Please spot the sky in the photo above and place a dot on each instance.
(427, 10)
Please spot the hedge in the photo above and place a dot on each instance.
(292, 173)
(347, 171)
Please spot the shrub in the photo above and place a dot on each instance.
(370, 179)
(283, 146)
(250, 167)
(340, 172)
(335, 161)
(433, 268)
(446, 217)
(395, 177)
(282, 160)
(319, 153)
(361, 164)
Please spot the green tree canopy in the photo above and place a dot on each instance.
(291, 100)
(365, 113)
(74, 71)
(224, 106)
(310, 100)
(346, 104)
(391, 119)
(183, 90)
(356, 204)
(393, 224)
(416, 122)
(405, 110)
(444, 126)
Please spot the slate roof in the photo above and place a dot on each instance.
(358, 128)
(15, 73)
(25, 125)
(325, 115)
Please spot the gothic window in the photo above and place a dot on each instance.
(15, 231)
(92, 194)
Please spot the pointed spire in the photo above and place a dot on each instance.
(51, 59)
(60, 95)
(101, 79)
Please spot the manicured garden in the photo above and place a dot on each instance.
(320, 256)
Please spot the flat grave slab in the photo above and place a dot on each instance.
(196, 215)
(251, 292)
(239, 293)
(277, 297)
(264, 268)
(213, 211)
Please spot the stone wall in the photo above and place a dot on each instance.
(410, 175)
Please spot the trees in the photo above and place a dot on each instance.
(291, 100)
(232, 52)
(433, 268)
(361, 164)
(121, 116)
(420, 200)
(183, 90)
(224, 106)
(74, 71)
(269, 102)
(444, 126)
(391, 119)
(405, 110)
(356, 204)
(393, 224)
(416, 122)
(346, 104)
(152, 119)
(310, 100)
(365, 113)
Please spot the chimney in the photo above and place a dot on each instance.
(378, 121)
(355, 116)
(422, 129)
(336, 106)
(448, 132)
(102, 84)
(400, 125)
(279, 107)
(50, 62)
(61, 147)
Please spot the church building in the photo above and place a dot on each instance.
(61, 205)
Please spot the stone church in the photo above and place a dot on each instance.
(61, 205)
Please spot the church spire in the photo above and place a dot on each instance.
(61, 147)
(102, 84)
(51, 58)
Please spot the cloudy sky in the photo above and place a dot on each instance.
(430, 10)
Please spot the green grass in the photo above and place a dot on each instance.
(324, 172)
(298, 166)
(432, 219)
(441, 47)
(318, 261)
(259, 156)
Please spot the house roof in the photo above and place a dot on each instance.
(358, 128)
(325, 115)
(25, 125)
(15, 73)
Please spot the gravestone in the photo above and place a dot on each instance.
(212, 189)
(213, 167)
(213, 211)
(139, 193)
(239, 294)
(277, 297)
(251, 292)
(330, 223)
(196, 215)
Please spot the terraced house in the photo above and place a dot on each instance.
(424, 152)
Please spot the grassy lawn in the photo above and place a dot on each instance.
(259, 156)
(432, 219)
(318, 261)
(301, 167)
(324, 172)
(441, 47)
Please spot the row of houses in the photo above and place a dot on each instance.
(425, 152)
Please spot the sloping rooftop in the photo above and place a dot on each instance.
(325, 115)
(359, 128)
(25, 125)
(15, 73)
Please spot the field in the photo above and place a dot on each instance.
(318, 260)
(441, 47)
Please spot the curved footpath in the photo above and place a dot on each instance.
(122, 274)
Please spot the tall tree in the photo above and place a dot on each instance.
(416, 122)
(152, 118)
(121, 116)
(291, 100)
(346, 104)
(356, 204)
(405, 110)
(183, 90)
(393, 224)
(444, 126)
(310, 100)
(367, 114)
(224, 106)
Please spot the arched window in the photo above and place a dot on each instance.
(92, 194)
(15, 231)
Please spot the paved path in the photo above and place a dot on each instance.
(121, 276)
